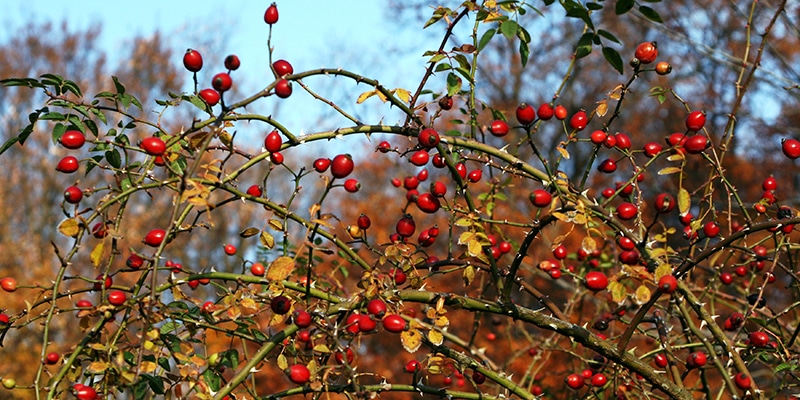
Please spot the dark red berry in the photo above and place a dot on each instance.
(221, 82)
(232, 62)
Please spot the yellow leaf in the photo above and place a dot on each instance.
(97, 367)
(69, 227)
(669, 170)
(249, 232)
(474, 247)
(588, 244)
(277, 319)
(618, 292)
(602, 108)
(469, 275)
(97, 254)
(411, 340)
(364, 96)
(435, 337)
(403, 95)
(465, 237)
(147, 367)
(642, 295)
(564, 152)
(561, 216)
(321, 348)
(441, 321)
(234, 313)
(267, 240)
(663, 270)
(248, 306)
(676, 157)
(280, 269)
(684, 201)
(276, 224)
(282, 363)
(381, 96)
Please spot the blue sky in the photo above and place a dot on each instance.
(311, 33)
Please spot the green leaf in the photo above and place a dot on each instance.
(196, 101)
(156, 383)
(524, 52)
(73, 87)
(113, 158)
(58, 131)
(606, 34)
(509, 29)
(120, 88)
(624, 6)
(650, 14)
(53, 116)
(613, 58)
(584, 45)
(453, 84)
(594, 6)
(27, 82)
(485, 38)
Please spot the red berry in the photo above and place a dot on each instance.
(525, 114)
(258, 269)
(230, 249)
(347, 354)
(599, 380)
(83, 392)
(438, 189)
(192, 60)
(661, 360)
(67, 165)
(742, 381)
(595, 280)
(412, 366)
(282, 68)
(405, 226)
(232, 62)
(384, 147)
(625, 243)
(105, 283)
(273, 142)
(560, 112)
(363, 222)
(540, 198)
(664, 203)
(155, 237)
(759, 339)
(427, 203)
(646, 52)
(8, 284)
(791, 148)
(376, 307)
(280, 304)
(545, 111)
(398, 276)
(419, 157)
(626, 211)
(99, 230)
(271, 15)
(663, 68)
(498, 128)
(342, 165)
(394, 323)
(668, 283)
(283, 88)
(695, 120)
(321, 164)
(579, 120)
(475, 175)
(366, 323)
(153, 146)
(623, 141)
(255, 191)
(575, 381)
(696, 144)
(446, 102)
(696, 359)
(599, 137)
(607, 166)
(560, 252)
(770, 183)
(72, 139)
(478, 377)
(298, 373)
(422, 175)
(651, 149)
(711, 229)
(428, 138)
(210, 96)
(73, 195)
(221, 82)
(116, 297)
(134, 261)
(352, 185)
